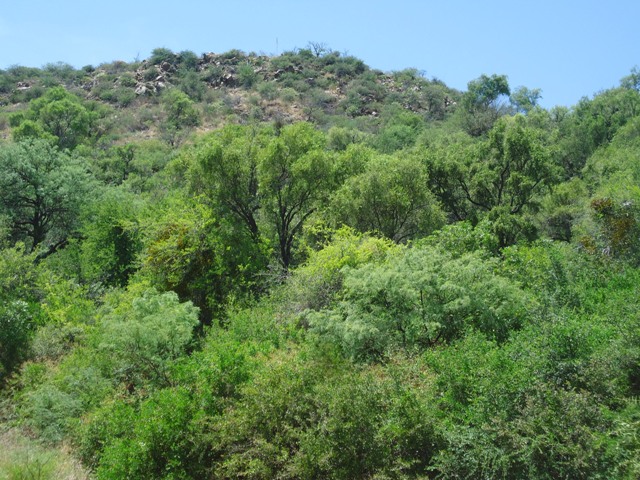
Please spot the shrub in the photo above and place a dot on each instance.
(247, 76)
(142, 335)
(419, 298)
(159, 444)
(159, 55)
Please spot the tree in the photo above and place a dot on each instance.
(60, 115)
(593, 123)
(500, 178)
(508, 169)
(632, 81)
(42, 191)
(19, 307)
(417, 298)
(481, 103)
(143, 336)
(225, 170)
(111, 240)
(389, 197)
(181, 114)
(485, 91)
(295, 174)
(525, 99)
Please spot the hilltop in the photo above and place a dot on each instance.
(324, 87)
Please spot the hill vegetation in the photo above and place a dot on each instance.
(240, 266)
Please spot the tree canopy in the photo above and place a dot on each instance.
(43, 191)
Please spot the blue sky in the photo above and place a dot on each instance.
(569, 49)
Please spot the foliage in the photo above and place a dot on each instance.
(180, 110)
(210, 305)
(593, 123)
(417, 299)
(59, 115)
(482, 103)
(502, 177)
(225, 170)
(562, 209)
(186, 250)
(111, 238)
(315, 284)
(43, 189)
(295, 175)
(143, 336)
(388, 197)
(19, 309)
(524, 99)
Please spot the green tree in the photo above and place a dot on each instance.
(442, 160)
(501, 177)
(19, 309)
(144, 334)
(225, 170)
(60, 115)
(180, 109)
(295, 175)
(482, 104)
(524, 99)
(43, 189)
(111, 237)
(389, 197)
(593, 123)
(417, 298)
(181, 115)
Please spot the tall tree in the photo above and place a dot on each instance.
(482, 103)
(500, 177)
(225, 170)
(389, 197)
(295, 175)
(42, 191)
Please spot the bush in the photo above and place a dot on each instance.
(315, 284)
(16, 327)
(247, 76)
(159, 55)
(142, 335)
(268, 90)
(159, 444)
(419, 298)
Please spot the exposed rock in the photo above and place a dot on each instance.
(166, 67)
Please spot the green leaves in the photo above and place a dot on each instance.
(295, 175)
(43, 189)
(57, 115)
(144, 336)
(503, 177)
(390, 198)
(416, 299)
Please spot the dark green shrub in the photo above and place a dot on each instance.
(159, 55)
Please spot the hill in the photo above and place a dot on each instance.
(240, 266)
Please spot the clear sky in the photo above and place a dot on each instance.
(567, 48)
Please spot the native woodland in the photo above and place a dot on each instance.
(239, 266)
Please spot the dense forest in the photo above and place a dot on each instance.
(234, 266)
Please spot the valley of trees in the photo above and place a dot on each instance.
(233, 266)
